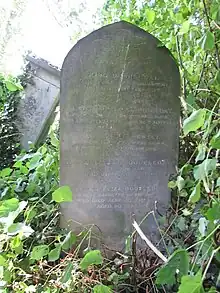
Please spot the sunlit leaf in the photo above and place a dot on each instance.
(192, 284)
(12, 87)
(150, 15)
(194, 121)
(93, 257)
(184, 28)
(20, 228)
(62, 194)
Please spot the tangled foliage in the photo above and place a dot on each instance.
(191, 30)
(10, 90)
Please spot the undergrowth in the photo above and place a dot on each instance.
(38, 256)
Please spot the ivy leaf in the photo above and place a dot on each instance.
(150, 15)
(215, 141)
(192, 284)
(102, 289)
(93, 257)
(62, 194)
(194, 121)
(39, 252)
(67, 273)
(69, 241)
(179, 260)
(208, 41)
(184, 28)
(55, 253)
(202, 170)
(195, 195)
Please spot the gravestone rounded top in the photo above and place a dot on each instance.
(119, 129)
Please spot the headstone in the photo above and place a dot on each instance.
(119, 130)
(36, 110)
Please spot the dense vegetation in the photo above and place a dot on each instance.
(37, 256)
(9, 135)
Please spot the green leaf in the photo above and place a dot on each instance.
(201, 152)
(180, 183)
(69, 241)
(93, 257)
(67, 273)
(39, 252)
(195, 195)
(192, 284)
(179, 260)
(34, 162)
(215, 141)
(5, 172)
(202, 170)
(172, 184)
(16, 244)
(102, 289)
(184, 28)
(150, 14)
(3, 261)
(12, 87)
(213, 213)
(218, 182)
(55, 253)
(62, 194)
(208, 41)
(20, 228)
(194, 121)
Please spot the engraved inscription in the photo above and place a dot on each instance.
(119, 130)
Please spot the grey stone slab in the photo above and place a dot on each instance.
(36, 108)
(119, 130)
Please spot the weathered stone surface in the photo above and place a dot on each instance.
(119, 130)
(36, 109)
